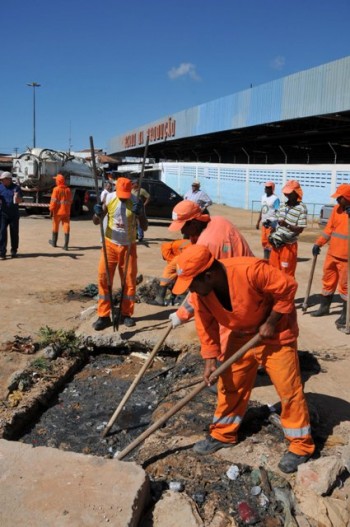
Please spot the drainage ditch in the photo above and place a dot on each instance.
(74, 418)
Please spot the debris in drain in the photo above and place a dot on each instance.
(246, 513)
(232, 472)
(176, 486)
(76, 417)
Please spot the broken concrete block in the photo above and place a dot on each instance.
(345, 456)
(319, 475)
(175, 509)
(45, 486)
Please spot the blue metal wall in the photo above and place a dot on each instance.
(317, 91)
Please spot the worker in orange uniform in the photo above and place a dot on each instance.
(335, 268)
(60, 205)
(123, 209)
(219, 234)
(247, 296)
(292, 220)
(169, 252)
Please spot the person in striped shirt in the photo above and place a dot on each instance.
(292, 220)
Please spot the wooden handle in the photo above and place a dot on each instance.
(235, 357)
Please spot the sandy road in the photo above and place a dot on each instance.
(35, 290)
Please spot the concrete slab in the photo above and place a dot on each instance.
(45, 486)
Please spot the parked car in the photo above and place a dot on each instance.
(325, 212)
(163, 199)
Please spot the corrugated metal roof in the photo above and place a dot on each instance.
(317, 91)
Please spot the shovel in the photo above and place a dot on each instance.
(235, 357)
(305, 306)
(347, 323)
(104, 248)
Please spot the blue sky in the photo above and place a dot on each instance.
(107, 67)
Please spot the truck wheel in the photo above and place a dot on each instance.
(77, 206)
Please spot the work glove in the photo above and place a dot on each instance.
(98, 209)
(137, 208)
(175, 320)
(316, 249)
(347, 210)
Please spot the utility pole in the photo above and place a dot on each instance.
(33, 85)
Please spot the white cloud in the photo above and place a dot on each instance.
(278, 62)
(185, 68)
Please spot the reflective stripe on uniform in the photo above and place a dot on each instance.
(297, 432)
(338, 235)
(103, 297)
(130, 297)
(189, 308)
(227, 420)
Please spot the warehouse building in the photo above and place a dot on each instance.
(297, 127)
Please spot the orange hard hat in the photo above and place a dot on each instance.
(192, 261)
(60, 179)
(343, 190)
(293, 186)
(123, 185)
(184, 211)
(270, 184)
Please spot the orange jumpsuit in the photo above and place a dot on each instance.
(60, 204)
(335, 268)
(265, 233)
(170, 250)
(255, 289)
(120, 232)
(223, 240)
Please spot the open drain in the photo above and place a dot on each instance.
(76, 417)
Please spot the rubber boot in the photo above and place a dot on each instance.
(66, 242)
(267, 253)
(159, 300)
(341, 321)
(324, 306)
(54, 239)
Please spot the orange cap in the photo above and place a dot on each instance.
(184, 211)
(192, 261)
(123, 185)
(60, 179)
(343, 190)
(270, 184)
(293, 186)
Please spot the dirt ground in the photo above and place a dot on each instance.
(43, 287)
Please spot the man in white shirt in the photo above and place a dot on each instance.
(269, 206)
(198, 196)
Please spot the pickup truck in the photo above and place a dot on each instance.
(325, 213)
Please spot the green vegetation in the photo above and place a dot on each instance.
(41, 364)
(65, 343)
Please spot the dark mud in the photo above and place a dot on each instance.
(77, 416)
